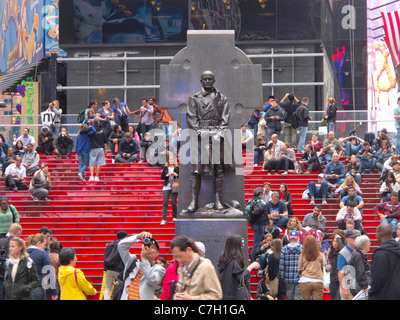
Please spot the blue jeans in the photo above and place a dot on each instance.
(258, 156)
(83, 162)
(270, 132)
(351, 149)
(392, 221)
(302, 139)
(254, 127)
(321, 192)
(368, 164)
(257, 238)
(165, 128)
(38, 294)
(331, 126)
(328, 157)
(145, 128)
(336, 181)
(281, 222)
(262, 260)
(398, 142)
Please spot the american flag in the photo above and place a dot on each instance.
(391, 24)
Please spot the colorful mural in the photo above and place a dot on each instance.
(21, 34)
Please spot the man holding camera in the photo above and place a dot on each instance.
(146, 275)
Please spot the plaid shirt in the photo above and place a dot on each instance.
(288, 266)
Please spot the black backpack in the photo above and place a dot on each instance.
(249, 210)
(81, 116)
(122, 115)
(112, 259)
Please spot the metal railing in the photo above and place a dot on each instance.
(125, 58)
(11, 126)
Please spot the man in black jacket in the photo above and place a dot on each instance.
(45, 143)
(273, 118)
(309, 160)
(303, 117)
(259, 220)
(385, 266)
(98, 148)
(63, 144)
(289, 128)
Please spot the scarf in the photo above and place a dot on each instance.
(15, 263)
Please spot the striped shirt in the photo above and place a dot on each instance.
(133, 288)
(6, 219)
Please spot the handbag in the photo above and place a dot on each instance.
(274, 286)
(243, 292)
(87, 297)
(175, 186)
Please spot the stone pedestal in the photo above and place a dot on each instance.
(213, 233)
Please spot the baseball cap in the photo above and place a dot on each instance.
(121, 235)
(154, 241)
(293, 234)
(352, 233)
(384, 130)
(321, 175)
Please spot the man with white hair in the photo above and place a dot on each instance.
(343, 260)
(360, 265)
(200, 248)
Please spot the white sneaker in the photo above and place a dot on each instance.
(174, 219)
(81, 177)
(163, 222)
(91, 178)
(96, 179)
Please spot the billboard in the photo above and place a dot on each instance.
(21, 34)
(149, 21)
(51, 28)
(383, 87)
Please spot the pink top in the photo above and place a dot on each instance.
(343, 215)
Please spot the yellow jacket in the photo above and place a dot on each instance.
(70, 289)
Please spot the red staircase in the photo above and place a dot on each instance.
(87, 216)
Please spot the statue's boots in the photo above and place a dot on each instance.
(195, 182)
(219, 187)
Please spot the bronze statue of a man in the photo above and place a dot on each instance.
(208, 114)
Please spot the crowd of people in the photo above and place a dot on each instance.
(294, 259)
(298, 268)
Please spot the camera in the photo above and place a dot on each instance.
(147, 242)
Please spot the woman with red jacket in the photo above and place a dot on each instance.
(169, 283)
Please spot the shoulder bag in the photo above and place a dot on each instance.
(120, 284)
(175, 186)
(243, 292)
(76, 279)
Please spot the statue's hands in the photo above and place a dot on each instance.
(203, 133)
(216, 137)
